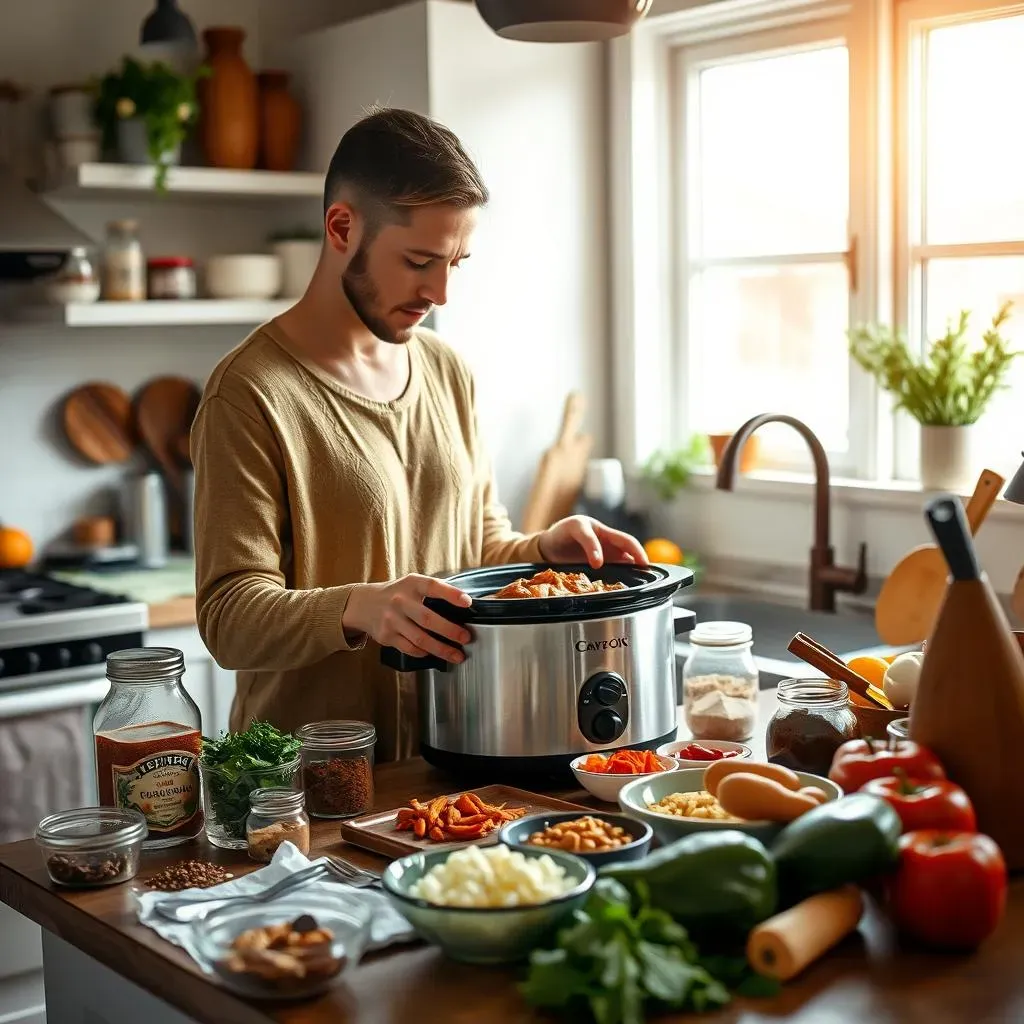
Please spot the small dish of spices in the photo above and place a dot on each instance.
(337, 767)
(89, 847)
(278, 816)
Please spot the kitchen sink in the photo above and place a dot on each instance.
(848, 633)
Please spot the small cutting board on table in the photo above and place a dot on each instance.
(908, 603)
(379, 833)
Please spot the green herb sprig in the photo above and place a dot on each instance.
(615, 961)
(239, 762)
(950, 387)
(669, 472)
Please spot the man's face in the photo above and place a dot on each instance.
(396, 280)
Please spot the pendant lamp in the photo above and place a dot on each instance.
(167, 23)
(562, 21)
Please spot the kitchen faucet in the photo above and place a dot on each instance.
(826, 578)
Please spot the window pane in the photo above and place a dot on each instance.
(982, 286)
(775, 154)
(975, 191)
(771, 339)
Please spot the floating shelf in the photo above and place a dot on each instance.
(88, 179)
(159, 313)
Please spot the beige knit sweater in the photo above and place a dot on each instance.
(304, 488)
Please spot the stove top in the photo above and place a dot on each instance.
(26, 593)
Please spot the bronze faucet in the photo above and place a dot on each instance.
(826, 577)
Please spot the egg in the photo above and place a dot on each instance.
(900, 681)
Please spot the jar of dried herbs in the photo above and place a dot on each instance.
(337, 767)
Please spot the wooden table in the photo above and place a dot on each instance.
(104, 968)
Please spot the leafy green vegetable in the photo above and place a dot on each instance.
(615, 960)
(239, 762)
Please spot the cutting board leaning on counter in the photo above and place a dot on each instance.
(338, 461)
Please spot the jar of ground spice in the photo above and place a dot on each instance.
(812, 721)
(337, 767)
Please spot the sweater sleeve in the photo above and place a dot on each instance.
(247, 616)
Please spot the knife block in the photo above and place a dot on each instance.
(969, 709)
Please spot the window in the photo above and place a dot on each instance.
(764, 172)
(962, 193)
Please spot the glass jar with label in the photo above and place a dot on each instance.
(124, 265)
(720, 682)
(278, 815)
(148, 735)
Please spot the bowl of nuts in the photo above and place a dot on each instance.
(598, 838)
(291, 948)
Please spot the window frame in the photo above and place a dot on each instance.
(914, 19)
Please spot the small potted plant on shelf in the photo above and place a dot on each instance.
(144, 112)
(299, 250)
(945, 391)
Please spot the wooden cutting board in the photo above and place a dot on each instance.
(377, 831)
(561, 472)
(908, 603)
(99, 423)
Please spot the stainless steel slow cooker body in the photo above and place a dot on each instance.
(547, 679)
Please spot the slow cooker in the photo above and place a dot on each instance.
(546, 679)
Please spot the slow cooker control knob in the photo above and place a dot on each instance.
(606, 726)
(608, 691)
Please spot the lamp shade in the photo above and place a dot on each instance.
(1015, 488)
(562, 21)
(167, 23)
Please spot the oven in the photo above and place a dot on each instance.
(54, 640)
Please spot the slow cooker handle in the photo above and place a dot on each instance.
(683, 620)
(398, 660)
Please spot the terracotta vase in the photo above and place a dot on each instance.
(229, 102)
(280, 122)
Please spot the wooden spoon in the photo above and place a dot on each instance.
(820, 657)
(908, 603)
(97, 420)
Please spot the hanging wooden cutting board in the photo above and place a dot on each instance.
(99, 424)
(909, 600)
(561, 472)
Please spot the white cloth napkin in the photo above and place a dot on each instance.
(386, 924)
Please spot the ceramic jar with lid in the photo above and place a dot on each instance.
(720, 682)
(812, 721)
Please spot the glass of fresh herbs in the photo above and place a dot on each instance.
(232, 766)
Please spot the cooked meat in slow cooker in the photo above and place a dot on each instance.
(551, 583)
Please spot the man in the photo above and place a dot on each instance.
(338, 460)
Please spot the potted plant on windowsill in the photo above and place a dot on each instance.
(144, 112)
(946, 391)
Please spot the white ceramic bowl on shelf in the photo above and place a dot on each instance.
(253, 276)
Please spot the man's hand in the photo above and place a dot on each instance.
(582, 539)
(394, 615)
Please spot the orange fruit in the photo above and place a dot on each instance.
(665, 551)
(15, 548)
(890, 658)
(871, 668)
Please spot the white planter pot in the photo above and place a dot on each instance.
(133, 145)
(947, 459)
(298, 261)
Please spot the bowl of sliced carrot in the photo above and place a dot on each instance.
(603, 775)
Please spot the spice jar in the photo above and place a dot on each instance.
(148, 734)
(124, 266)
(812, 721)
(171, 277)
(76, 281)
(278, 816)
(720, 682)
(337, 767)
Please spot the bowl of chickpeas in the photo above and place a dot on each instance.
(598, 838)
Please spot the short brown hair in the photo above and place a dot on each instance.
(394, 160)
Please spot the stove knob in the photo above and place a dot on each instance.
(607, 726)
(32, 661)
(63, 657)
(608, 691)
(92, 654)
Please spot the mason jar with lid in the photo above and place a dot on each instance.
(277, 815)
(124, 265)
(720, 682)
(812, 721)
(148, 735)
(337, 767)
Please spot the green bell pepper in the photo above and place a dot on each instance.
(716, 882)
(847, 840)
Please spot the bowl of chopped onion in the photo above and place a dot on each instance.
(487, 904)
(604, 775)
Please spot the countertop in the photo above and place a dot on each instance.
(867, 977)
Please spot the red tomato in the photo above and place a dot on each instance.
(859, 761)
(936, 803)
(949, 888)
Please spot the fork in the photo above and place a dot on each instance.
(358, 878)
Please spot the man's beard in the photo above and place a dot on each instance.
(362, 295)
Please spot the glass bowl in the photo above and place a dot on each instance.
(226, 798)
(89, 847)
(217, 930)
(485, 935)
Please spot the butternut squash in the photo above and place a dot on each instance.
(756, 798)
(714, 773)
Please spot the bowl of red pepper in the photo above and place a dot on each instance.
(701, 753)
